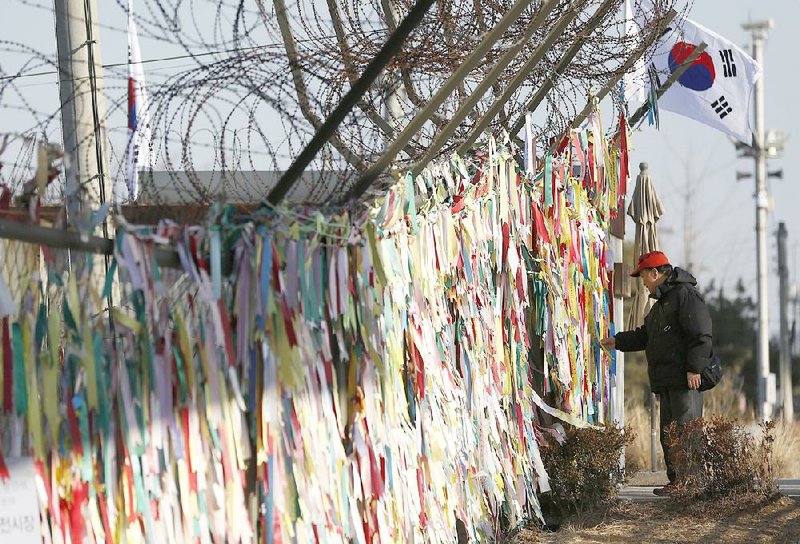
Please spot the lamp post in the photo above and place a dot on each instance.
(765, 145)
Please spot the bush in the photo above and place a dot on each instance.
(726, 399)
(718, 458)
(585, 470)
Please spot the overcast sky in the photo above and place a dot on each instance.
(685, 155)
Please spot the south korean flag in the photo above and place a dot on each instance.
(717, 88)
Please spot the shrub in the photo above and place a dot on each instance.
(585, 470)
(718, 458)
(726, 399)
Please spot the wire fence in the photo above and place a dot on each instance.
(20, 260)
(253, 84)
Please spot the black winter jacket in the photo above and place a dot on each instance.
(676, 333)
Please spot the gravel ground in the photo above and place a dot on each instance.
(662, 521)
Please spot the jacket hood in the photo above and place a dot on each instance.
(678, 276)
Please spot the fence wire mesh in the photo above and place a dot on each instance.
(247, 87)
(20, 261)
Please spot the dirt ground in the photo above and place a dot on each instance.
(663, 521)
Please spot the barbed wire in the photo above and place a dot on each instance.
(255, 82)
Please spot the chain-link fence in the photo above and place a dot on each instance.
(19, 263)
(18, 260)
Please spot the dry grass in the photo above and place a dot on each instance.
(786, 452)
(637, 453)
(725, 400)
(658, 521)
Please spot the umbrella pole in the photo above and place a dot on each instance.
(653, 433)
(618, 403)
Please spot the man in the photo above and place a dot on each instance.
(676, 337)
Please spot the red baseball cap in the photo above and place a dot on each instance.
(650, 260)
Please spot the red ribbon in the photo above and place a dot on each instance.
(539, 226)
(419, 365)
(624, 166)
(74, 428)
(506, 240)
(423, 518)
(287, 319)
(186, 449)
(4, 474)
(80, 495)
(104, 517)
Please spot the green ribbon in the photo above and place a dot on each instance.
(548, 180)
(182, 387)
(20, 386)
(100, 368)
(110, 278)
(411, 205)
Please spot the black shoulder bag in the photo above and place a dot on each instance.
(711, 374)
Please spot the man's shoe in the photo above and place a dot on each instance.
(665, 491)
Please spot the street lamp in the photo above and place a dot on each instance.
(765, 145)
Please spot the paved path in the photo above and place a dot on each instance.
(790, 488)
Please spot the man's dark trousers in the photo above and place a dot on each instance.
(680, 405)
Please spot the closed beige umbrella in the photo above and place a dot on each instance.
(645, 209)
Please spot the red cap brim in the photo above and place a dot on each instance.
(638, 271)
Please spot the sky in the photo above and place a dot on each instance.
(683, 155)
(686, 156)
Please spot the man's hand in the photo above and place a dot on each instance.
(693, 379)
(608, 343)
